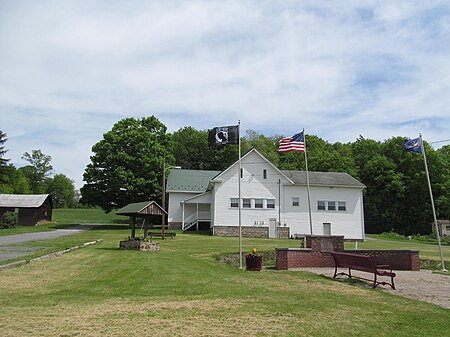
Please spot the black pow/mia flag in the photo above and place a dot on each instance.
(223, 135)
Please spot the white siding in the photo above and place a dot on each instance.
(253, 186)
(175, 208)
(348, 223)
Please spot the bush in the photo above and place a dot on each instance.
(9, 220)
(392, 235)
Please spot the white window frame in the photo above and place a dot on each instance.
(331, 206)
(234, 203)
(295, 201)
(261, 204)
(244, 203)
(321, 205)
(272, 203)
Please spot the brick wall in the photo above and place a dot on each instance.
(396, 259)
(317, 254)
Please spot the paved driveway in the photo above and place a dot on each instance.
(423, 285)
(10, 247)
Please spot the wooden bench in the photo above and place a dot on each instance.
(362, 263)
(159, 234)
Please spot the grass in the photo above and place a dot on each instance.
(183, 290)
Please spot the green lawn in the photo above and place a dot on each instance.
(183, 290)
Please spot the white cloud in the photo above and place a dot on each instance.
(70, 70)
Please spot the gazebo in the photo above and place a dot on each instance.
(149, 211)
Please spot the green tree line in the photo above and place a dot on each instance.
(126, 166)
(35, 178)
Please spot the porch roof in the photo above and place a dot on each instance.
(141, 208)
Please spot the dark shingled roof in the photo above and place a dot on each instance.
(323, 178)
(189, 180)
(140, 208)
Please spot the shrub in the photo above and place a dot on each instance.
(9, 220)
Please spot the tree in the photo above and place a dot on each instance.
(62, 191)
(191, 151)
(3, 161)
(39, 171)
(15, 181)
(127, 164)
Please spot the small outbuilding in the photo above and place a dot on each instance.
(30, 208)
(444, 227)
(149, 211)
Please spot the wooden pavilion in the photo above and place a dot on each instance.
(149, 211)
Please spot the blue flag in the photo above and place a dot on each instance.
(413, 145)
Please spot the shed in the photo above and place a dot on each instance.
(444, 227)
(30, 208)
(149, 211)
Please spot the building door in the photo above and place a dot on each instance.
(272, 228)
(327, 228)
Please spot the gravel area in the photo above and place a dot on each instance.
(421, 285)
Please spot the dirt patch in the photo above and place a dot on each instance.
(421, 285)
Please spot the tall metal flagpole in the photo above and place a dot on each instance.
(307, 185)
(432, 203)
(239, 187)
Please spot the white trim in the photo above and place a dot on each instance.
(216, 179)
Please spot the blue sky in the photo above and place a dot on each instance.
(69, 70)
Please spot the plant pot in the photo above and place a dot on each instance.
(253, 262)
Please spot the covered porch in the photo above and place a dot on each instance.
(196, 212)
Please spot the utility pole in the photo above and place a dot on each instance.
(163, 223)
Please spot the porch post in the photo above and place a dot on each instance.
(182, 216)
(133, 226)
(197, 218)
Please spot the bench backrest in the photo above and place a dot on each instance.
(354, 261)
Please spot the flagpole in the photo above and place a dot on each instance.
(239, 188)
(307, 185)
(432, 203)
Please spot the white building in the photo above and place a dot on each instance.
(274, 202)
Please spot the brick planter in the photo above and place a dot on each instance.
(253, 262)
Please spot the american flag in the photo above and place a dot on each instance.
(294, 143)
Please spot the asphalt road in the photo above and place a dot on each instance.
(10, 245)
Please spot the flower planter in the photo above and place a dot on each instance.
(253, 262)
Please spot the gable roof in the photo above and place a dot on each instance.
(144, 207)
(338, 179)
(182, 180)
(263, 158)
(23, 200)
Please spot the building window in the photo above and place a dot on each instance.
(321, 205)
(270, 203)
(259, 203)
(295, 201)
(234, 203)
(331, 205)
(264, 174)
(246, 203)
